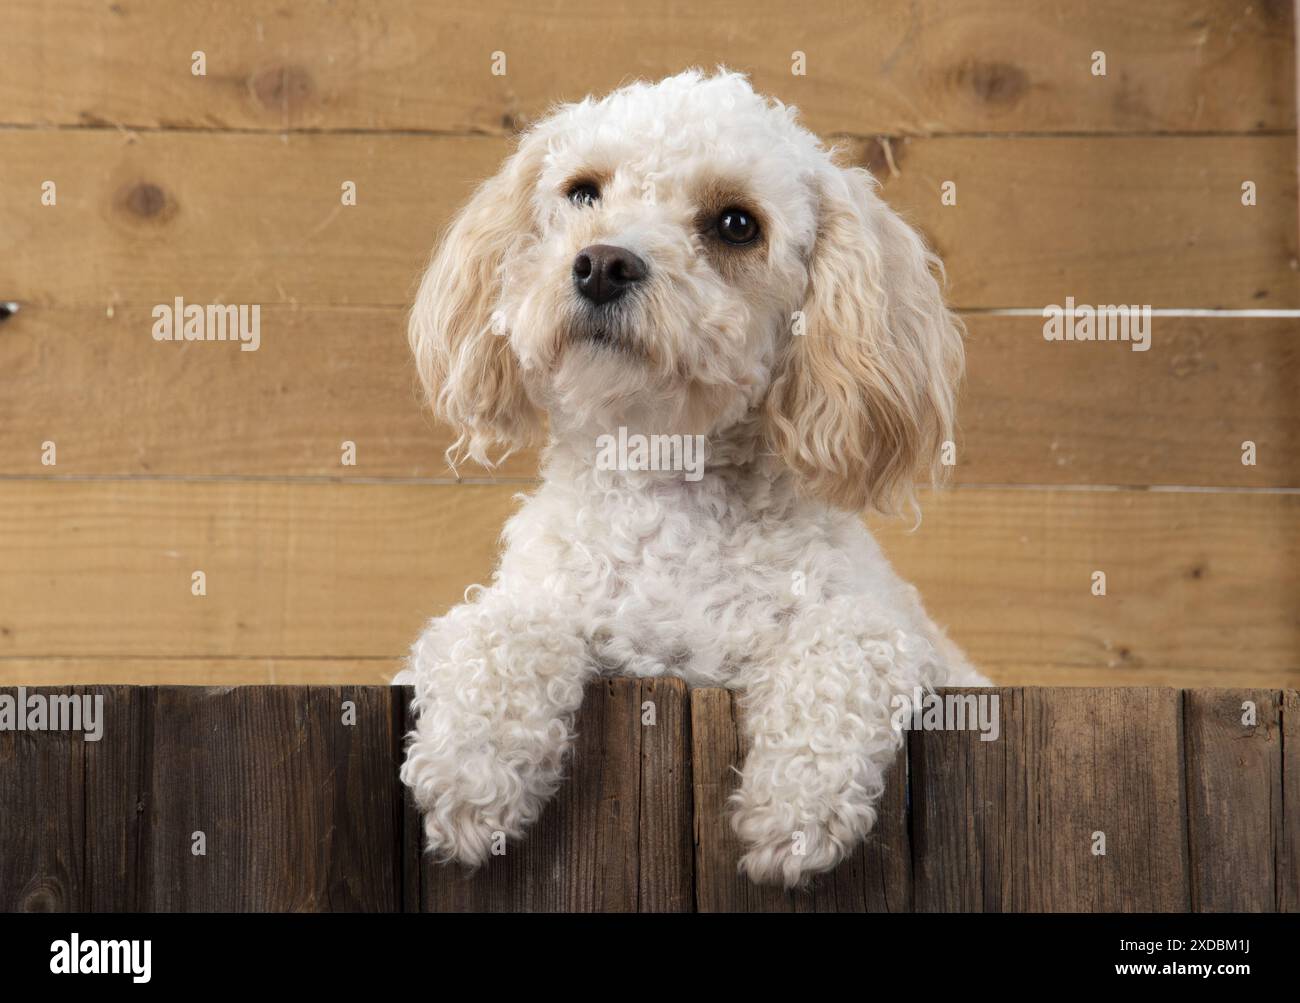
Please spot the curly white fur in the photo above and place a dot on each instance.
(818, 363)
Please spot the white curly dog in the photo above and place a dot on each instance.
(682, 263)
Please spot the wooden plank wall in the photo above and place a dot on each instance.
(1072, 457)
(1188, 792)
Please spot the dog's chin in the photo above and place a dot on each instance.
(603, 380)
(599, 337)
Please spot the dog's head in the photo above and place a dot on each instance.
(683, 257)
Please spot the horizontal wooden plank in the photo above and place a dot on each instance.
(143, 218)
(101, 671)
(320, 378)
(1194, 580)
(1155, 221)
(1040, 412)
(1200, 581)
(327, 570)
(115, 402)
(1013, 674)
(229, 218)
(890, 67)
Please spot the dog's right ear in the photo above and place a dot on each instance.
(462, 349)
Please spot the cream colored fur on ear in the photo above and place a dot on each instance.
(865, 398)
(470, 375)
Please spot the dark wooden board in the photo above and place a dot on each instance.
(716, 753)
(1104, 761)
(42, 803)
(302, 812)
(117, 797)
(1288, 860)
(1011, 825)
(667, 851)
(271, 775)
(1233, 854)
(969, 815)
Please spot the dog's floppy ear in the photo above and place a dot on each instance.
(864, 398)
(462, 352)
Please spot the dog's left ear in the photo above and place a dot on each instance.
(864, 399)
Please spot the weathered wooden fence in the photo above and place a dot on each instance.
(1196, 794)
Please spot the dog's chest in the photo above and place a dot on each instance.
(687, 606)
(694, 586)
(698, 580)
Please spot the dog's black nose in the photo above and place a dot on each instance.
(603, 272)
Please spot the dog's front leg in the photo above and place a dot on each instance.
(817, 716)
(497, 684)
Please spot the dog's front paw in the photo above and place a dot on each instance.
(781, 850)
(800, 814)
(471, 802)
(461, 832)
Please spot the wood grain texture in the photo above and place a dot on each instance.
(666, 849)
(1106, 220)
(1012, 824)
(42, 817)
(969, 815)
(228, 217)
(115, 402)
(342, 571)
(1230, 761)
(1010, 65)
(198, 671)
(1189, 575)
(1288, 859)
(272, 775)
(333, 571)
(1108, 762)
(1010, 674)
(876, 877)
(615, 838)
(256, 219)
(117, 798)
(304, 812)
(1040, 412)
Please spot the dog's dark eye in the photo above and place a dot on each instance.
(736, 226)
(584, 193)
